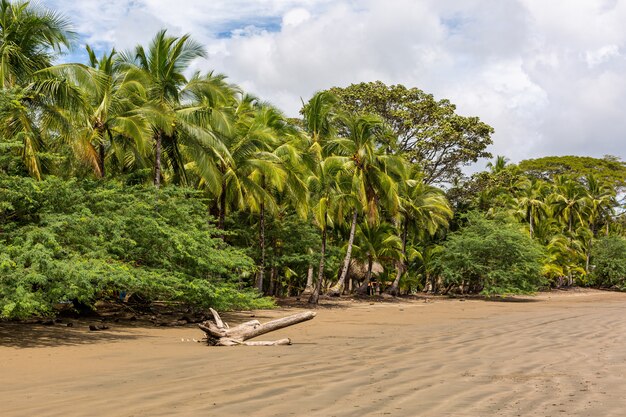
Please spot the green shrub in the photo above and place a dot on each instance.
(491, 257)
(64, 241)
(608, 258)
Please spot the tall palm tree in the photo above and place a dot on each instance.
(530, 203)
(112, 116)
(30, 36)
(600, 201)
(371, 175)
(422, 207)
(172, 116)
(326, 186)
(568, 201)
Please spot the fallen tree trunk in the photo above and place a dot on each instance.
(219, 334)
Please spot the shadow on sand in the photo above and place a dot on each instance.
(21, 335)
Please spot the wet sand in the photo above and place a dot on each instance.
(559, 354)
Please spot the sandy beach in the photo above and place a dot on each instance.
(556, 354)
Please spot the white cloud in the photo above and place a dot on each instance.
(547, 75)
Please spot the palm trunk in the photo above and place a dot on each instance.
(261, 274)
(273, 280)
(531, 224)
(101, 155)
(315, 295)
(157, 159)
(593, 233)
(337, 289)
(400, 265)
(222, 208)
(308, 289)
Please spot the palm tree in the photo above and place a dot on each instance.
(599, 200)
(371, 175)
(530, 203)
(173, 117)
(30, 36)
(568, 202)
(498, 164)
(422, 207)
(569, 205)
(112, 116)
(328, 190)
(376, 242)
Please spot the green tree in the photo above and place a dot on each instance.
(424, 209)
(608, 169)
(609, 259)
(491, 257)
(30, 36)
(428, 132)
(173, 118)
(372, 175)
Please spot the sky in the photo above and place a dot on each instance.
(549, 76)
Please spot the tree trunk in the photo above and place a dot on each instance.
(261, 274)
(157, 159)
(308, 289)
(273, 285)
(593, 233)
(337, 289)
(101, 156)
(400, 265)
(222, 208)
(315, 295)
(531, 224)
(219, 334)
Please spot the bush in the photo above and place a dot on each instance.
(608, 258)
(64, 241)
(491, 257)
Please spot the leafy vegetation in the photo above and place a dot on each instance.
(491, 257)
(124, 175)
(609, 259)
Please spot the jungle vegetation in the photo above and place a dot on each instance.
(127, 173)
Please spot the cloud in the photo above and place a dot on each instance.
(547, 75)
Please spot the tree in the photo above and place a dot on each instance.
(609, 258)
(161, 67)
(424, 209)
(327, 188)
(428, 132)
(29, 37)
(371, 175)
(610, 168)
(375, 243)
(530, 204)
(491, 257)
(112, 117)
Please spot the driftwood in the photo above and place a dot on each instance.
(219, 334)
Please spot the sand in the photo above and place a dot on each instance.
(556, 355)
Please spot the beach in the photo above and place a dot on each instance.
(554, 354)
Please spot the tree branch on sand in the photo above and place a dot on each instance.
(220, 334)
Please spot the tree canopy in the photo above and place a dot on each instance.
(426, 131)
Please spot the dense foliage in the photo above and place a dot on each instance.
(70, 241)
(609, 262)
(492, 257)
(123, 174)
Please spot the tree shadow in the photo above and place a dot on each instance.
(23, 335)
